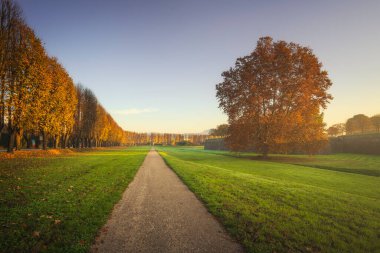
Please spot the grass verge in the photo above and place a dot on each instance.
(282, 207)
(58, 204)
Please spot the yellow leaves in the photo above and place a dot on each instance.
(70, 189)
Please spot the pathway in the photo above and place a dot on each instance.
(158, 213)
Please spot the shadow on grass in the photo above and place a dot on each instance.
(366, 172)
(307, 162)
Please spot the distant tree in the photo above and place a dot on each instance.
(220, 131)
(341, 128)
(275, 96)
(376, 122)
(336, 130)
(332, 131)
(351, 127)
(359, 123)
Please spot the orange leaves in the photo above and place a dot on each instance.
(274, 96)
(35, 153)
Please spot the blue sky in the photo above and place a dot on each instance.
(154, 64)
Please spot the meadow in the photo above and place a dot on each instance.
(290, 203)
(59, 203)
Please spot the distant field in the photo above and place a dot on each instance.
(58, 204)
(325, 204)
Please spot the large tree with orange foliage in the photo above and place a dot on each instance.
(273, 98)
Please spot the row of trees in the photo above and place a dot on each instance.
(36, 93)
(273, 98)
(38, 97)
(358, 124)
(177, 139)
(165, 139)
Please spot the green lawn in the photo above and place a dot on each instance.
(277, 206)
(58, 204)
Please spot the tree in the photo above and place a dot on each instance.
(336, 130)
(220, 131)
(376, 122)
(62, 101)
(101, 126)
(274, 96)
(359, 123)
(89, 116)
(10, 26)
(341, 128)
(22, 75)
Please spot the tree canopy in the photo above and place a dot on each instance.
(38, 98)
(273, 98)
(219, 131)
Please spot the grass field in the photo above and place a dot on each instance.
(324, 204)
(350, 163)
(58, 204)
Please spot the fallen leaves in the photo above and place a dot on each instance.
(36, 234)
(36, 153)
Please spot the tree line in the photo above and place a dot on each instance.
(168, 139)
(358, 124)
(39, 101)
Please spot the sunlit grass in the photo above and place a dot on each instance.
(281, 207)
(58, 204)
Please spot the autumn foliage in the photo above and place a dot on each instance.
(38, 99)
(273, 98)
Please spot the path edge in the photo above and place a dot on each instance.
(216, 218)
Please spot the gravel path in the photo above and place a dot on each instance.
(158, 213)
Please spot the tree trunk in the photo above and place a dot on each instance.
(44, 140)
(11, 141)
(18, 135)
(64, 141)
(56, 141)
(28, 138)
(2, 103)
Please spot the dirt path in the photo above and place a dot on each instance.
(158, 213)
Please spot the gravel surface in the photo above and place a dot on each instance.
(158, 213)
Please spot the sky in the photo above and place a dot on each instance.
(154, 64)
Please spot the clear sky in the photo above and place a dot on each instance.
(154, 64)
